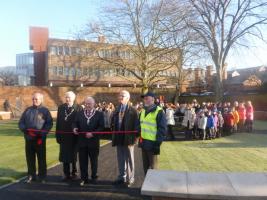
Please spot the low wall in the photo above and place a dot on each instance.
(260, 115)
(20, 97)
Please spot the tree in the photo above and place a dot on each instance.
(224, 25)
(8, 78)
(136, 26)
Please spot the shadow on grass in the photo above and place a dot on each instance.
(9, 175)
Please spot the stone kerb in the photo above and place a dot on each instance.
(161, 184)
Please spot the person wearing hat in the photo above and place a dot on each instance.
(153, 128)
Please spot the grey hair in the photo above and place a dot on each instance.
(126, 93)
(71, 94)
(89, 97)
(40, 95)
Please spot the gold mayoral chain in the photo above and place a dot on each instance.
(88, 118)
(67, 115)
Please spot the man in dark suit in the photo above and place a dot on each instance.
(88, 121)
(68, 141)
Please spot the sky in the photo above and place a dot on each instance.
(61, 17)
(64, 17)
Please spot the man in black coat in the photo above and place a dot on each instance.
(68, 141)
(88, 121)
(36, 117)
(125, 118)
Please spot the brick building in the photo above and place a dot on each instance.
(60, 62)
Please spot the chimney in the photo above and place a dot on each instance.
(197, 75)
(101, 39)
(209, 73)
(38, 38)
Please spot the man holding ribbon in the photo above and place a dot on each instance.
(125, 122)
(87, 123)
(65, 138)
(35, 123)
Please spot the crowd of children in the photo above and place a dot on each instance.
(200, 121)
(212, 120)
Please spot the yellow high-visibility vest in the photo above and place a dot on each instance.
(149, 124)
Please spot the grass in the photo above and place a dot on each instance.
(242, 152)
(12, 159)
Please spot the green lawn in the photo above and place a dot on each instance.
(12, 159)
(239, 152)
(243, 152)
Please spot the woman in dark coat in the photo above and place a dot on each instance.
(67, 141)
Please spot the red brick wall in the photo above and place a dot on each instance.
(54, 96)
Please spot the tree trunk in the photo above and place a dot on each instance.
(219, 83)
(144, 89)
(176, 96)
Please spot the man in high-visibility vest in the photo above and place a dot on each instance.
(153, 128)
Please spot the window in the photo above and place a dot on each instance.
(73, 51)
(131, 55)
(97, 73)
(67, 50)
(54, 70)
(72, 71)
(60, 50)
(66, 71)
(111, 72)
(89, 51)
(78, 51)
(53, 50)
(90, 72)
(101, 53)
(85, 71)
(31, 60)
(60, 70)
(78, 71)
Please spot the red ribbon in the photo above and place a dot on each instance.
(35, 132)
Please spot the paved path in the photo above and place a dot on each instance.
(56, 189)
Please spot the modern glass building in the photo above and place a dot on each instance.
(24, 68)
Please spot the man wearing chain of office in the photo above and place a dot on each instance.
(67, 140)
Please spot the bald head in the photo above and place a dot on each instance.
(37, 98)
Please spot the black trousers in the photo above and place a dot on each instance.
(32, 149)
(150, 161)
(66, 168)
(170, 133)
(92, 154)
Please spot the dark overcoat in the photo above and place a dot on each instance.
(67, 141)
